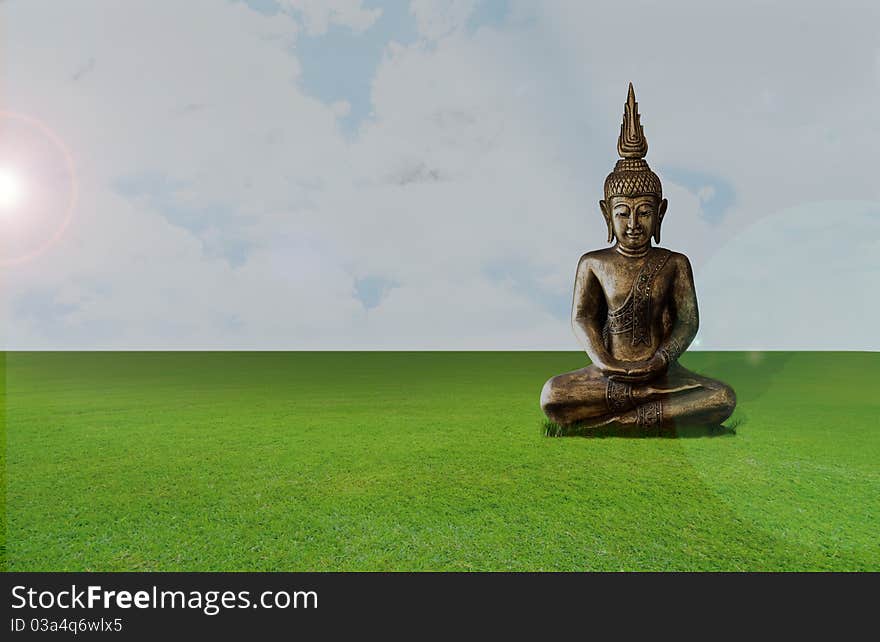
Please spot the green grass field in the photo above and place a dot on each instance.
(426, 461)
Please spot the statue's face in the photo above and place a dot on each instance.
(634, 219)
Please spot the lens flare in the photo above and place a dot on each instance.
(10, 190)
(38, 188)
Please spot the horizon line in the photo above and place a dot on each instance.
(284, 349)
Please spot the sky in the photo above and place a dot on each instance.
(356, 174)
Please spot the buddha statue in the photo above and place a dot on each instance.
(635, 313)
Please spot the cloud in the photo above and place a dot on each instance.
(796, 281)
(150, 266)
(319, 15)
(222, 205)
(750, 91)
(438, 18)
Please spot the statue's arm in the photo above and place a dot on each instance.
(588, 313)
(687, 315)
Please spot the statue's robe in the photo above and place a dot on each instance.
(587, 395)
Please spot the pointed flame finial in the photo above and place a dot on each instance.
(632, 142)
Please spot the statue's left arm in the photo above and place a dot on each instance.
(685, 313)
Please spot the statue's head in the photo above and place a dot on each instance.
(633, 206)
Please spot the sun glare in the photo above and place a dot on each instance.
(38, 188)
(10, 190)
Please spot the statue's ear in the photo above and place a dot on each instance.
(661, 212)
(604, 207)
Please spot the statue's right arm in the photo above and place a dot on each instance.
(588, 313)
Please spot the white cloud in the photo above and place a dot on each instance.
(797, 280)
(751, 91)
(319, 15)
(472, 189)
(438, 18)
(225, 124)
(341, 108)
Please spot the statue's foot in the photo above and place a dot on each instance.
(649, 391)
(581, 428)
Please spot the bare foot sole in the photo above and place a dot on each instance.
(583, 428)
(647, 392)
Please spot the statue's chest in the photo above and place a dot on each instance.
(621, 284)
(618, 286)
(632, 292)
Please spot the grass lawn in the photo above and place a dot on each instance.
(426, 461)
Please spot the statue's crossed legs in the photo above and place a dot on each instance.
(587, 398)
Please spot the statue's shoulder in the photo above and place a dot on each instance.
(677, 259)
(674, 257)
(596, 257)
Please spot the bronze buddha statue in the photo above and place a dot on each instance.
(634, 312)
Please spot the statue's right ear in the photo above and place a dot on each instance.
(604, 207)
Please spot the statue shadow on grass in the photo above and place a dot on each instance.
(750, 373)
(551, 429)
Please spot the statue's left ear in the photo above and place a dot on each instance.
(661, 212)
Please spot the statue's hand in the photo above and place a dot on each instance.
(639, 371)
(632, 372)
(658, 364)
(613, 369)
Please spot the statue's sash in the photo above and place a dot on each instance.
(641, 289)
(635, 313)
